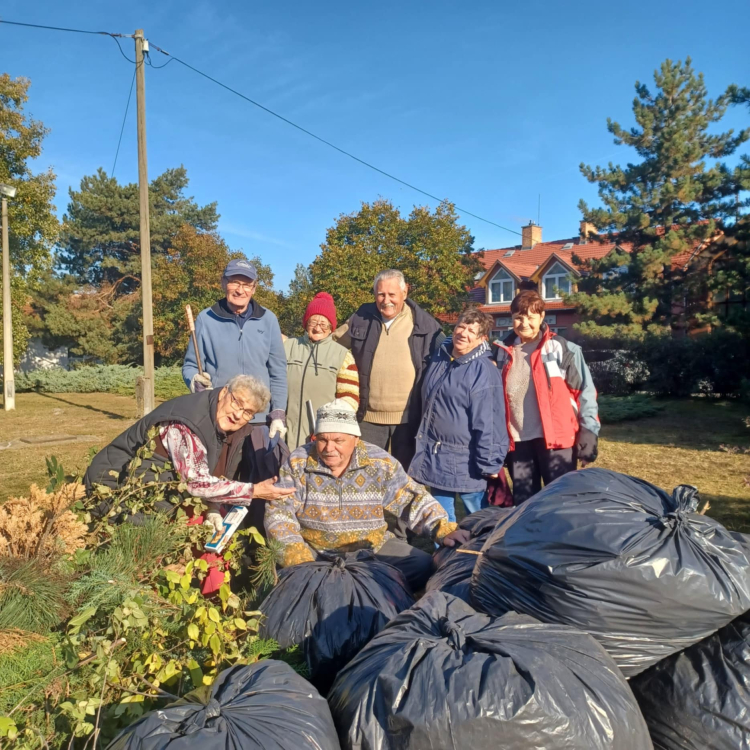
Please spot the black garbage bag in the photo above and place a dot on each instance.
(615, 556)
(700, 699)
(442, 676)
(266, 706)
(332, 608)
(454, 575)
(480, 523)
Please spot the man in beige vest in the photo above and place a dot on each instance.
(392, 340)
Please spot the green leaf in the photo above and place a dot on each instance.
(8, 727)
(196, 673)
(75, 623)
(214, 615)
(240, 624)
(256, 535)
(215, 643)
(193, 631)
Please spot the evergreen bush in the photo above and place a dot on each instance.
(119, 379)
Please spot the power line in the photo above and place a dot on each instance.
(61, 28)
(326, 142)
(110, 34)
(265, 109)
(122, 129)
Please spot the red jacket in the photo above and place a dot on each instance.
(564, 388)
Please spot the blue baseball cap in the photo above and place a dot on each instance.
(240, 267)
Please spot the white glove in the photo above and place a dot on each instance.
(214, 519)
(201, 383)
(277, 427)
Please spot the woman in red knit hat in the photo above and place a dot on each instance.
(318, 369)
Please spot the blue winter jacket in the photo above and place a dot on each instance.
(228, 349)
(463, 436)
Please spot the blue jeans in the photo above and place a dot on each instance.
(472, 501)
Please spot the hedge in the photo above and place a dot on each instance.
(118, 379)
(716, 363)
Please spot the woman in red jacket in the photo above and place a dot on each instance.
(550, 400)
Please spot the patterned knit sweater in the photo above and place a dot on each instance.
(348, 513)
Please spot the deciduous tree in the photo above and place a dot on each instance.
(432, 249)
(32, 223)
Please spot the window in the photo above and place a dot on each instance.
(556, 278)
(551, 320)
(504, 322)
(559, 331)
(502, 288)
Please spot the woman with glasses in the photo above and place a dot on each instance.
(318, 369)
(201, 437)
(237, 336)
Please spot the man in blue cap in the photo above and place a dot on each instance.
(239, 337)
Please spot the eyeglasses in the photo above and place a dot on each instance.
(245, 287)
(318, 327)
(247, 414)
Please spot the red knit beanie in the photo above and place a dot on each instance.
(322, 304)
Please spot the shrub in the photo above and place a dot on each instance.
(118, 379)
(712, 363)
(616, 372)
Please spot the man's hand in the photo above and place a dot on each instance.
(277, 427)
(457, 537)
(267, 490)
(201, 382)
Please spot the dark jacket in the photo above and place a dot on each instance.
(230, 346)
(462, 437)
(565, 392)
(365, 327)
(197, 411)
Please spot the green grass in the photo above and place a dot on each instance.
(622, 408)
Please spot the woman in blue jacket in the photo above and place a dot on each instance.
(463, 436)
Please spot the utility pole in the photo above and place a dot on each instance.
(141, 47)
(9, 383)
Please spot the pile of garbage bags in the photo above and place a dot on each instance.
(529, 642)
(443, 676)
(332, 608)
(637, 568)
(265, 706)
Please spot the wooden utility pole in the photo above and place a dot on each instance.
(9, 383)
(141, 46)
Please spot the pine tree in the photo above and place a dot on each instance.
(100, 239)
(671, 201)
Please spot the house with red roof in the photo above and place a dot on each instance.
(548, 267)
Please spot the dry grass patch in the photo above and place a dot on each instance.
(102, 415)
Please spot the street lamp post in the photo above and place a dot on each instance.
(9, 391)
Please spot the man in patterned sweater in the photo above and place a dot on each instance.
(344, 492)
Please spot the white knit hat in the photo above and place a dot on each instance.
(337, 416)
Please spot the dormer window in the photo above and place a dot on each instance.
(556, 282)
(501, 288)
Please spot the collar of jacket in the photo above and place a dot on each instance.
(475, 353)
(221, 310)
(510, 340)
(358, 461)
(424, 323)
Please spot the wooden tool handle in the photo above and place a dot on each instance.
(191, 327)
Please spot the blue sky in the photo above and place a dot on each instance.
(488, 104)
